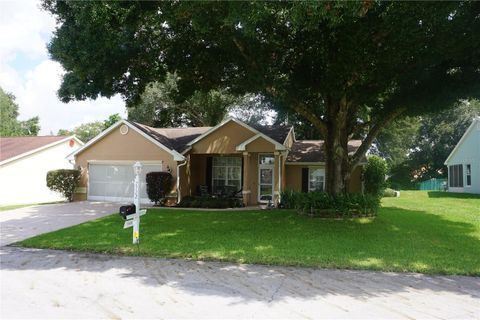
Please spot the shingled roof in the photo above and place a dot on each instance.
(312, 150)
(14, 146)
(277, 132)
(178, 138)
(172, 138)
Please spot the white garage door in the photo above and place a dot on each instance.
(114, 182)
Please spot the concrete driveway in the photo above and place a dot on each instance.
(59, 284)
(23, 223)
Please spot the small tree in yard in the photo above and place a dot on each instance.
(159, 184)
(374, 175)
(64, 181)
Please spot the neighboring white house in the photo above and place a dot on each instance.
(464, 162)
(24, 163)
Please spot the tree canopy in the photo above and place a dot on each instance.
(87, 131)
(158, 106)
(348, 68)
(9, 124)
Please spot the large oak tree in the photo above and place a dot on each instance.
(348, 68)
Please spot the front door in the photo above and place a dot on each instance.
(266, 164)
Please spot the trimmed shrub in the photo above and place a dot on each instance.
(321, 204)
(159, 184)
(64, 181)
(209, 202)
(374, 175)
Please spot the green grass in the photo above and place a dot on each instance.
(429, 232)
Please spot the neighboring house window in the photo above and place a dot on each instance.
(226, 171)
(469, 175)
(316, 179)
(455, 175)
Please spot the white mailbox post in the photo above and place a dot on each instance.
(137, 169)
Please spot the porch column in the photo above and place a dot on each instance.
(246, 182)
(276, 173)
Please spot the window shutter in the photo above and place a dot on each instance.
(208, 174)
(304, 179)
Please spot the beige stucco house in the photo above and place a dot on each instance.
(259, 161)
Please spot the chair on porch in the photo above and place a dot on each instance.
(202, 191)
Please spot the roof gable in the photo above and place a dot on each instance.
(278, 134)
(157, 139)
(12, 148)
(475, 125)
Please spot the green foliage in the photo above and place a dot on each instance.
(396, 142)
(85, 132)
(9, 125)
(438, 135)
(159, 184)
(210, 202)
(112, 119)
(350, 65)
(417, 155)
(158, 106)
(64, 181)
(374, 175)
(322, 204)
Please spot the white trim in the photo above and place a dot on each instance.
(125, 162)
(25, 154)
(186, 150)
(118, 199)
(265, 166)
(313, 163)
(278, 146)
(179, 194)
(125, 131)
(316, 168)
(467, 132)
(242, 146)
(466, 174)
(117, 162)
(176, 156)
(305, 163)
(293, 132)
(226, 171)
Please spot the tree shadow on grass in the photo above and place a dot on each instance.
(443, 194)
(422, 239)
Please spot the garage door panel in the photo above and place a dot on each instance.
(112, 182)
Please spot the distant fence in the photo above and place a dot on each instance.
(433, 184)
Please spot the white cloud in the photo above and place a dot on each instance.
(23, 27)
(26, 71)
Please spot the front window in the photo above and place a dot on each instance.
(455, 176)
(469, 175)
(316, 179)
(226, 173)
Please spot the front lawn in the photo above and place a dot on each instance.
(429, 232)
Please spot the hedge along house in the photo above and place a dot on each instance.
(464, 162)
(259, 162)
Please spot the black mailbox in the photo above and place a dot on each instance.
(127, 210)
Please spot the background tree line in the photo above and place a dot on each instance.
(9, 124)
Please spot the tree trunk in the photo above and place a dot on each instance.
(337, 169)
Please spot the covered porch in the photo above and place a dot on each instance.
(255, 177)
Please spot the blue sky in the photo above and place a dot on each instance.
(28, 73)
